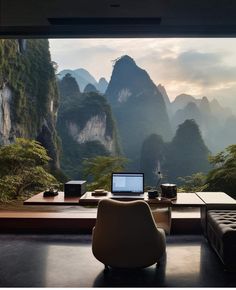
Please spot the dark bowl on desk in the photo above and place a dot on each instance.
(152, 194)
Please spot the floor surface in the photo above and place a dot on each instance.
(67, 261)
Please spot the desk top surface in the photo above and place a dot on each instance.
(187, 199)
(59, 199)
(183, 199)
(215, 198)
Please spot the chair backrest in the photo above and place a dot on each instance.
(125, 234)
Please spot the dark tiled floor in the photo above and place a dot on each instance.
(67, 261)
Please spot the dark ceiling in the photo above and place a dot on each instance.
(118, 18)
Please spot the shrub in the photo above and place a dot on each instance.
(23, 167)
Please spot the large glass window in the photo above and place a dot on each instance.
(158, 106)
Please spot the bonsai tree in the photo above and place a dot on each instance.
(23, 167)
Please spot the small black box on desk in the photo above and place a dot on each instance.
(75, 188)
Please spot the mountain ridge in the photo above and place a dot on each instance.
(83, 78)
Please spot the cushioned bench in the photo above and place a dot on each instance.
(221, 233)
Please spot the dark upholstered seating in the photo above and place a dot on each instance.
(221, 233)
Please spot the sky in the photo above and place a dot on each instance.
(195, 66)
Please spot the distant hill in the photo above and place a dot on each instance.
(181, 101)
(187, 152)
(90, 89)
(228, 102)
(102, 85)
(69, 90)
(220, 111)
(210, 107)
(189, 111)
(138, 106)
(185, 155)
(83, 78)
(225, 134)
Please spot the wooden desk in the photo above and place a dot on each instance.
(59, 199)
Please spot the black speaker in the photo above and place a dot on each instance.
(75, 188)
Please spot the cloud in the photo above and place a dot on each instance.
(96, 58)
(204, 68)
(194, 66)
(197, 72)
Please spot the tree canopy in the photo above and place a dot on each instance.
(23, 167)
(223, 176)
(193, 183)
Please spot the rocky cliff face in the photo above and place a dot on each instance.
(28, 95)
(5, 115)
(93, 130)
(86, 127)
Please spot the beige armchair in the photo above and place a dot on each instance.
(125, 235)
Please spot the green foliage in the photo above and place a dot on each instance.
(193, 183)
(99, 170)
(223, 176)
(23, 167)
(74, 154)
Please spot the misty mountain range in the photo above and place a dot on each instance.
(144, 118)
(212, 118)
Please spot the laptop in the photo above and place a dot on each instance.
(127, 185)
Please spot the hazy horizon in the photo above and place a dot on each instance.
(196, 66)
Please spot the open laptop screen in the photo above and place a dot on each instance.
(127, 183)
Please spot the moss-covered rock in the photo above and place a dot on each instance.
(33, 102)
